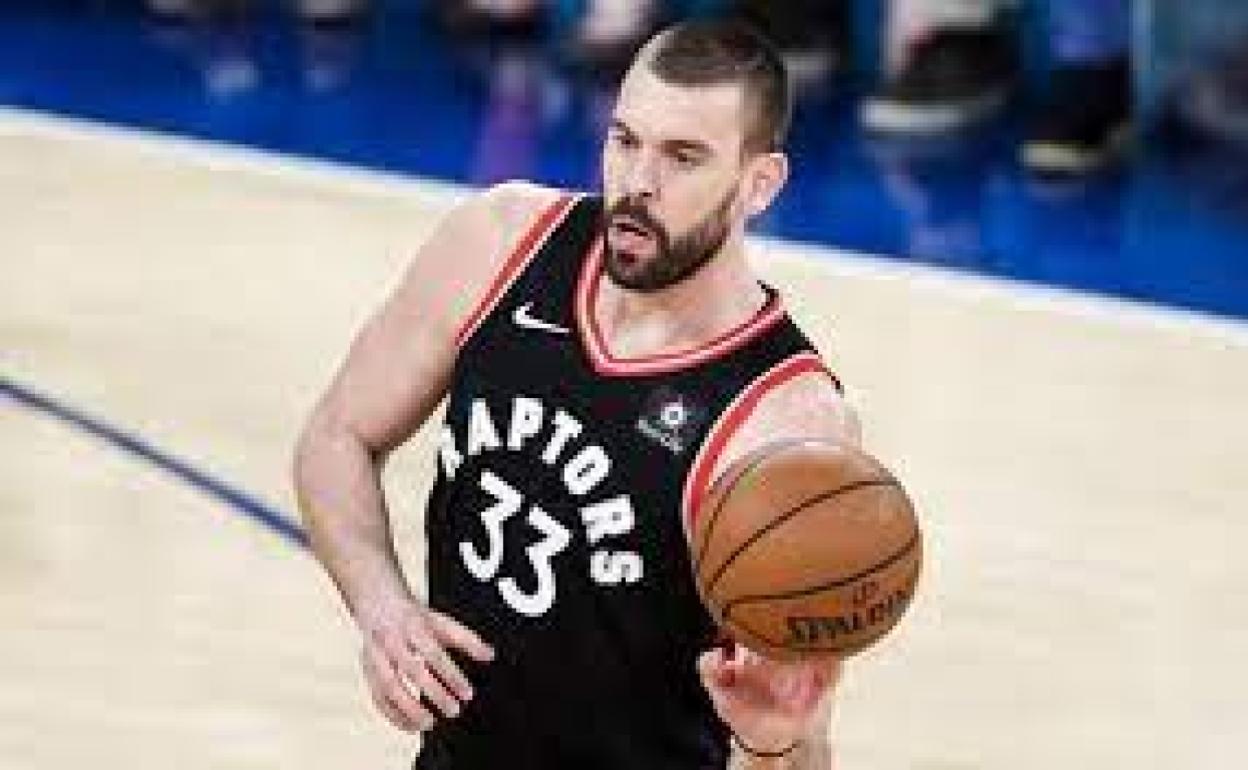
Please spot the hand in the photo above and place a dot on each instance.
(410, 673)
(767, 704)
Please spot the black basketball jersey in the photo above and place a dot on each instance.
(556, 526)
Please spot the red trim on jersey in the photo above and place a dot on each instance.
(526, 248)
(663, 363)
(699, 478)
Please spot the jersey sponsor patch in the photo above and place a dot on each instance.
(671, 420)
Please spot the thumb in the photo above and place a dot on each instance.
(715, 669)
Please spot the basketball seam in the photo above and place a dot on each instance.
(754, 632)
(789, 514)
(763, 454)
(760, 636)
(888, 562)
(782, 646)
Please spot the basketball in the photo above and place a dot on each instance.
(806, 549)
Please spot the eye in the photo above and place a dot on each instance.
(686, 159)
(624, 140)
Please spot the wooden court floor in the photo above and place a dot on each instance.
(1080, 466)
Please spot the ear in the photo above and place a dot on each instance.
(764, 177)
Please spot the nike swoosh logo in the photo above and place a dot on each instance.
(524, 319)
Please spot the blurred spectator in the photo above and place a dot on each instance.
(185, 9)
(1085, 121)
(954, 63)
(314, 11)
(950, 64)
(220, 39)
(1212, 100)
(812, 35)
(329, 11)
(508, 18)
(601, 36)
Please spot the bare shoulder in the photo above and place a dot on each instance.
(455, 266)
(494, 218)
(522, 197)
(809, 405)
(511, 206)
(400, 363)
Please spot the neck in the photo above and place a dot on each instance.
(723, 294)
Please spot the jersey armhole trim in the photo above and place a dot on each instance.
(521, 255)
(698, 480)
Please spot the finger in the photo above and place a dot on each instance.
(708, 666)
(794, 687)
(825, 678)
(780, 679)
(405, 696)
(416, 672)
(392, 687)
(711, 670)
(392, 713)
(802, 695)
(740, 660)
(434, 658)
(714, 670)
(789, 686)
(830, 672)
(376, 692)
(745, 656)
(764, 681)
(451, 632)
(803, 676)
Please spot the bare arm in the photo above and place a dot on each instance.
(387, 386)
(393, 378)
(808, 406)
(813, 751)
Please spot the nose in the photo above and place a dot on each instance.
(641, 176)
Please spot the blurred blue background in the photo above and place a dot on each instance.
(394, 90)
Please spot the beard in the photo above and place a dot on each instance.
(674, 259)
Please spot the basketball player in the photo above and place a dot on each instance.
(603, 360)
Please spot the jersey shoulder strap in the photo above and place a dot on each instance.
(552, 226)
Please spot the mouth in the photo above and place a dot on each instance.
(630, 238)
(630, 227)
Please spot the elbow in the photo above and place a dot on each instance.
(303, 461)
(327, 454)
(317, 453)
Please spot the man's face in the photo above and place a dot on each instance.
(671, 164)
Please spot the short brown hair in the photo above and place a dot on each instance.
(718, 51)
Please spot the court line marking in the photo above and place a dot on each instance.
(1107, 310)
(216, 155)
(327, 174)
(239, 500)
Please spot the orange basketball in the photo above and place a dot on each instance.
(806, 549)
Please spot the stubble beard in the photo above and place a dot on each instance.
(674, 261)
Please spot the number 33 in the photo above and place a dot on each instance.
(507, 503)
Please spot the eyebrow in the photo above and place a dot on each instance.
(672, 145)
